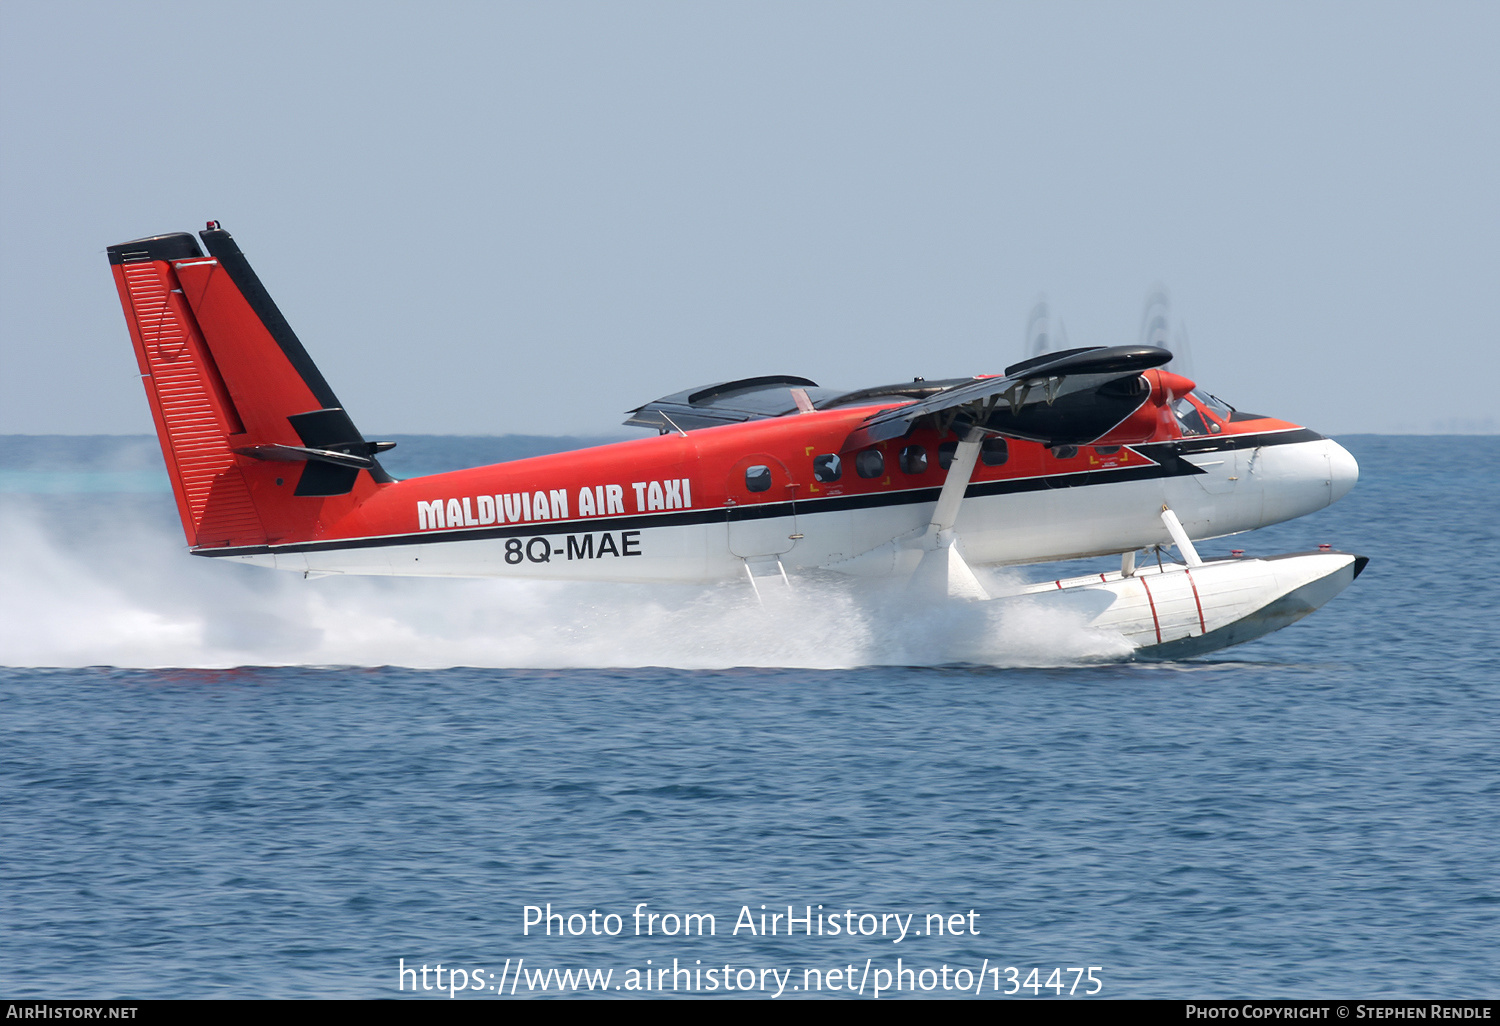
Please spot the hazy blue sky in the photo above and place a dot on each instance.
(490, 217)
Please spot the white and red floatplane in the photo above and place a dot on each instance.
(1085, 452)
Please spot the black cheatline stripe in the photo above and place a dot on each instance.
(1168, 466)
(596, 526)
(1228, 443)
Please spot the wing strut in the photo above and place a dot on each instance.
(942, 570)
(1180, 537)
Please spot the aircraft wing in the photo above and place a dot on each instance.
(1067, 398)
(727, 402)
(733, 402)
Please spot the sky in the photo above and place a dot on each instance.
(497, 218)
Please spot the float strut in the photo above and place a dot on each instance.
(1179, 537)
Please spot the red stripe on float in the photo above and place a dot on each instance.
(1196, 599)
(1152, 602)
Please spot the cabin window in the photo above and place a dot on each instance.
(1065, 452)
(914, 460)
(758, 479)
(870, 463)
(828, 467)
(993, 452)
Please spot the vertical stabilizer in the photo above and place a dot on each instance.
(258, 447)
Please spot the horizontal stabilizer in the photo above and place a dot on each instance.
(299, 453)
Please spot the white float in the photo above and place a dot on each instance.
(1177, 611)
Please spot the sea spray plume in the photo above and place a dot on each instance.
(116, 596)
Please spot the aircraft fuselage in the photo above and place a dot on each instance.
(693, 507)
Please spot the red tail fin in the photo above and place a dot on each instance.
(259, 449)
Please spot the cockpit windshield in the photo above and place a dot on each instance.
(1218, 407)
(1200, 413)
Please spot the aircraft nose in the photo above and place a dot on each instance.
(1343, 472)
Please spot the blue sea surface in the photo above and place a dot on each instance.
(1314, 814)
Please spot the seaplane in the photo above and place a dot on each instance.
(1086, 452)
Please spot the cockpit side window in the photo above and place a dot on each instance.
(1192, 422)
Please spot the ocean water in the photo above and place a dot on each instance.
(223, 781)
